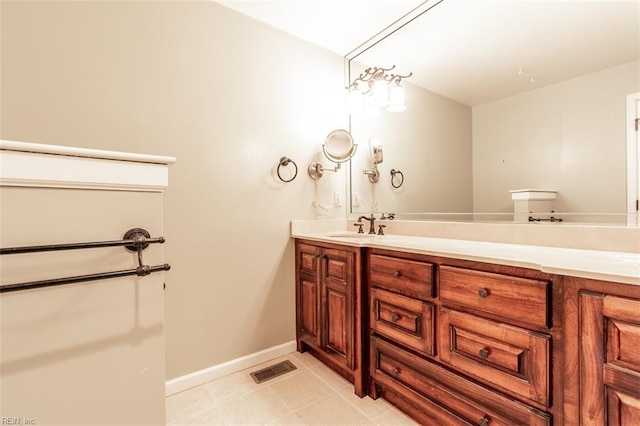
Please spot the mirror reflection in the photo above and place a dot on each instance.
(506, 96)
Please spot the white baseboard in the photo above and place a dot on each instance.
(200, 377)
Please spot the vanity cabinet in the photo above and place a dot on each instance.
(450, 344)
(460, 342)
(329, 307)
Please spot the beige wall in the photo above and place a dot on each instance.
(228, 97)
(569, 137)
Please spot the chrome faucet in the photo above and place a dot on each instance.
(372, 223)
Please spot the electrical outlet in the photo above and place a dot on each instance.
(355, 202)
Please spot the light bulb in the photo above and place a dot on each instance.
(381, 93)
(396, 99)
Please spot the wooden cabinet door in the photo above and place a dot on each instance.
(328, 308)
(609, 360)
(307, 293)
(336, 305)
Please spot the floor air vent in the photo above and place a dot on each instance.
(272, 371)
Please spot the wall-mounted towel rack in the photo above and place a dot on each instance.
(284, 162)
(135, 239)
(131, 240)
(550, 219)
(394, 183)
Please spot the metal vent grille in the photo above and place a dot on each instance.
(272, 371)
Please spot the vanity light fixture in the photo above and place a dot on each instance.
(376, 88)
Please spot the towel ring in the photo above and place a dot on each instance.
(395, 172)
(284, 162)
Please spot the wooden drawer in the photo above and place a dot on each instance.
(408, 277)
(519, 299)
(405, 320)
(622, 332)
(442, 395)
(510, 358)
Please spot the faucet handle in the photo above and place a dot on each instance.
(380, 231)
(390, 216)
(360, 231)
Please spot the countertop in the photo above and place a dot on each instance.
(619, 267)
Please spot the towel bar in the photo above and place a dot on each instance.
(135, 239)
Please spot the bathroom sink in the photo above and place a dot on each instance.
(347, 234)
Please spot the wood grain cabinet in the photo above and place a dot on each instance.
(458, 342)
(450, 344)
(609, 359)
(329, 307)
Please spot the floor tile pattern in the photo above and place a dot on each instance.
(313, 394)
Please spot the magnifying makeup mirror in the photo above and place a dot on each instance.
(338, 147)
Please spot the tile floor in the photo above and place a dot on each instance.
(312, 394)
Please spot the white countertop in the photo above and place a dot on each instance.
(620, 267)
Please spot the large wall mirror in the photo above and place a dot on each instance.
(505, 95)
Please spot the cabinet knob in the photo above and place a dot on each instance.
(395, 317)
(484, 353)
(483, 293)
(397, 274)
(394, 372)
(484, 421)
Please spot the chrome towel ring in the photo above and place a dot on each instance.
(284, 162)
(394, 173)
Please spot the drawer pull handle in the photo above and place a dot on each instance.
(484, 353)
(397, 274)
(483, 293)
(484, 421)
(395, 317)
(394, 372)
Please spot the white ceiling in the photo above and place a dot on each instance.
(474, 51)
(337, 25)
